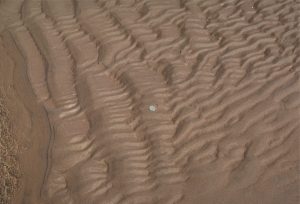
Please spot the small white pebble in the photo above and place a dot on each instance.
(152, 108)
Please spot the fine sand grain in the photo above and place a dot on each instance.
(151, 101)
(9, 166)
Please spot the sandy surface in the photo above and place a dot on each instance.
(9, 166)
(149, 101)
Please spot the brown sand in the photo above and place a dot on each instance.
(150, 101)
(9, 167)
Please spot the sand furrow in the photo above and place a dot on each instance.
(65, 112)
(106, 103)
(155, 43)
(116, 121)
(9, 148)
(150, 101)
(147, 75)
(30, 51)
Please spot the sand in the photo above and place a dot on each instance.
(149, 101)
(9, 169)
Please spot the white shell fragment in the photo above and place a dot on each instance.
(152, 108)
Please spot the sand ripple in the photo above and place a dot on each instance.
(223, 76)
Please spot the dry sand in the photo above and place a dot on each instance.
(149, 101)
(9, 166)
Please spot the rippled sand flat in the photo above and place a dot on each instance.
(150, 101)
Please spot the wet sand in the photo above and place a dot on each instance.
(149, 101)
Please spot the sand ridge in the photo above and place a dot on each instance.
(223, 77)
(27, 124)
